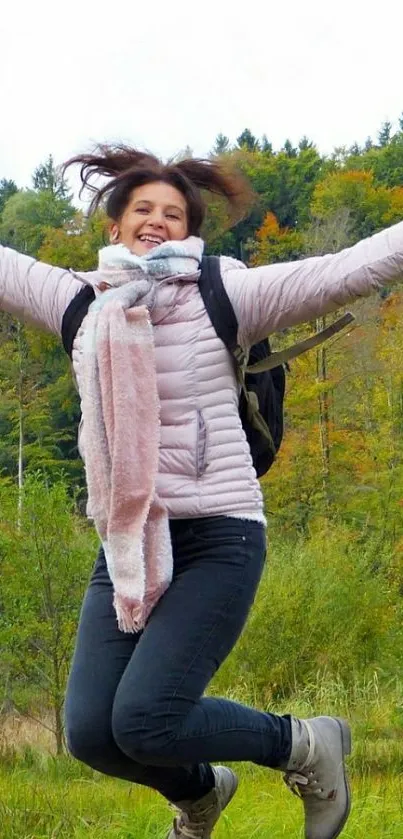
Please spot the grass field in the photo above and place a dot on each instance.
(58, 801)
(45, 797)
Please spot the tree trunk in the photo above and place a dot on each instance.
(323, 412)
(57, 695)
(20, 422)
(59, 732)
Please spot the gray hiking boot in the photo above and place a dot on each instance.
(316, 773)
(196, 819)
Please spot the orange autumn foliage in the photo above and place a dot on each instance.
(275, 244)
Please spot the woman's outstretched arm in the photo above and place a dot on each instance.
(33, 291)
(272, 297)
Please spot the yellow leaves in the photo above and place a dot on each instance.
(351, 189)
(364, 421)
(76, 244)
(371, 206)
(394, 213)
(338, 188)
(389, 339)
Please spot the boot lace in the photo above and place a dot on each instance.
(302, 785)
(192, 826)
(304, 782)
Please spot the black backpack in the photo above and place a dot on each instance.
(261, 376)
(261, 393)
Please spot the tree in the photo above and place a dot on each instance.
(221, 144)
(274, 244)
(383, 162)
(281, 185)
(48, 178)
(247, 140)
(7, 189)
(265, 145)
(354, 150)
(76, 244)
(44, 567)
(328, 234)
(289, 149)
(386, 163)
(182, 154)
(385, 134)
(305, 143)
(339, 156)
(28, 214)
(370, 207)
(39, 406)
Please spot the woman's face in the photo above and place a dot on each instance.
(156, 212)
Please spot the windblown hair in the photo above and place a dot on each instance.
(127, 168)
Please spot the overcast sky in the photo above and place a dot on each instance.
(164, 75)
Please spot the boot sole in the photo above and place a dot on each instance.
(345, 732)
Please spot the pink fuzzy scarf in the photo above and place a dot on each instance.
(121, 432)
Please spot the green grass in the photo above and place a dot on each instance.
(44, 797)
(57, 799)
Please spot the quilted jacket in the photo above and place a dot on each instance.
(205, 466)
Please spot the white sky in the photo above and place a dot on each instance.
(163, 75)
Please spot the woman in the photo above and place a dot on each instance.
(173, 492)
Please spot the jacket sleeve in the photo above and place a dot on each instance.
(35, 292)
(273, 297)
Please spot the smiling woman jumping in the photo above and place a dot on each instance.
(173, 491)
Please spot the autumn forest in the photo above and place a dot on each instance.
(327, 624)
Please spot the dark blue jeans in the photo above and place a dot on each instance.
(135, 707)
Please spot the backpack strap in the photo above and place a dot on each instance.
(225, 323)
(283, 356)
(224, 320)
(219, 307)
(74, 316)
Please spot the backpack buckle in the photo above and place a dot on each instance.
(240, 356)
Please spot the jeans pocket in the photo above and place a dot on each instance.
(218, 530)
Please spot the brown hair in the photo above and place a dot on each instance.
(129, 168)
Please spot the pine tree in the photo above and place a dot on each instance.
(289, 149)
(385, 134)
(265, 145)
(248, 140)
(48, 178)
(221, 144)
(7, 189)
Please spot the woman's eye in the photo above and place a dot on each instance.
(171, 215)
(142, 210)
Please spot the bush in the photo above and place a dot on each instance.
(322, 611)
(46, 552)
